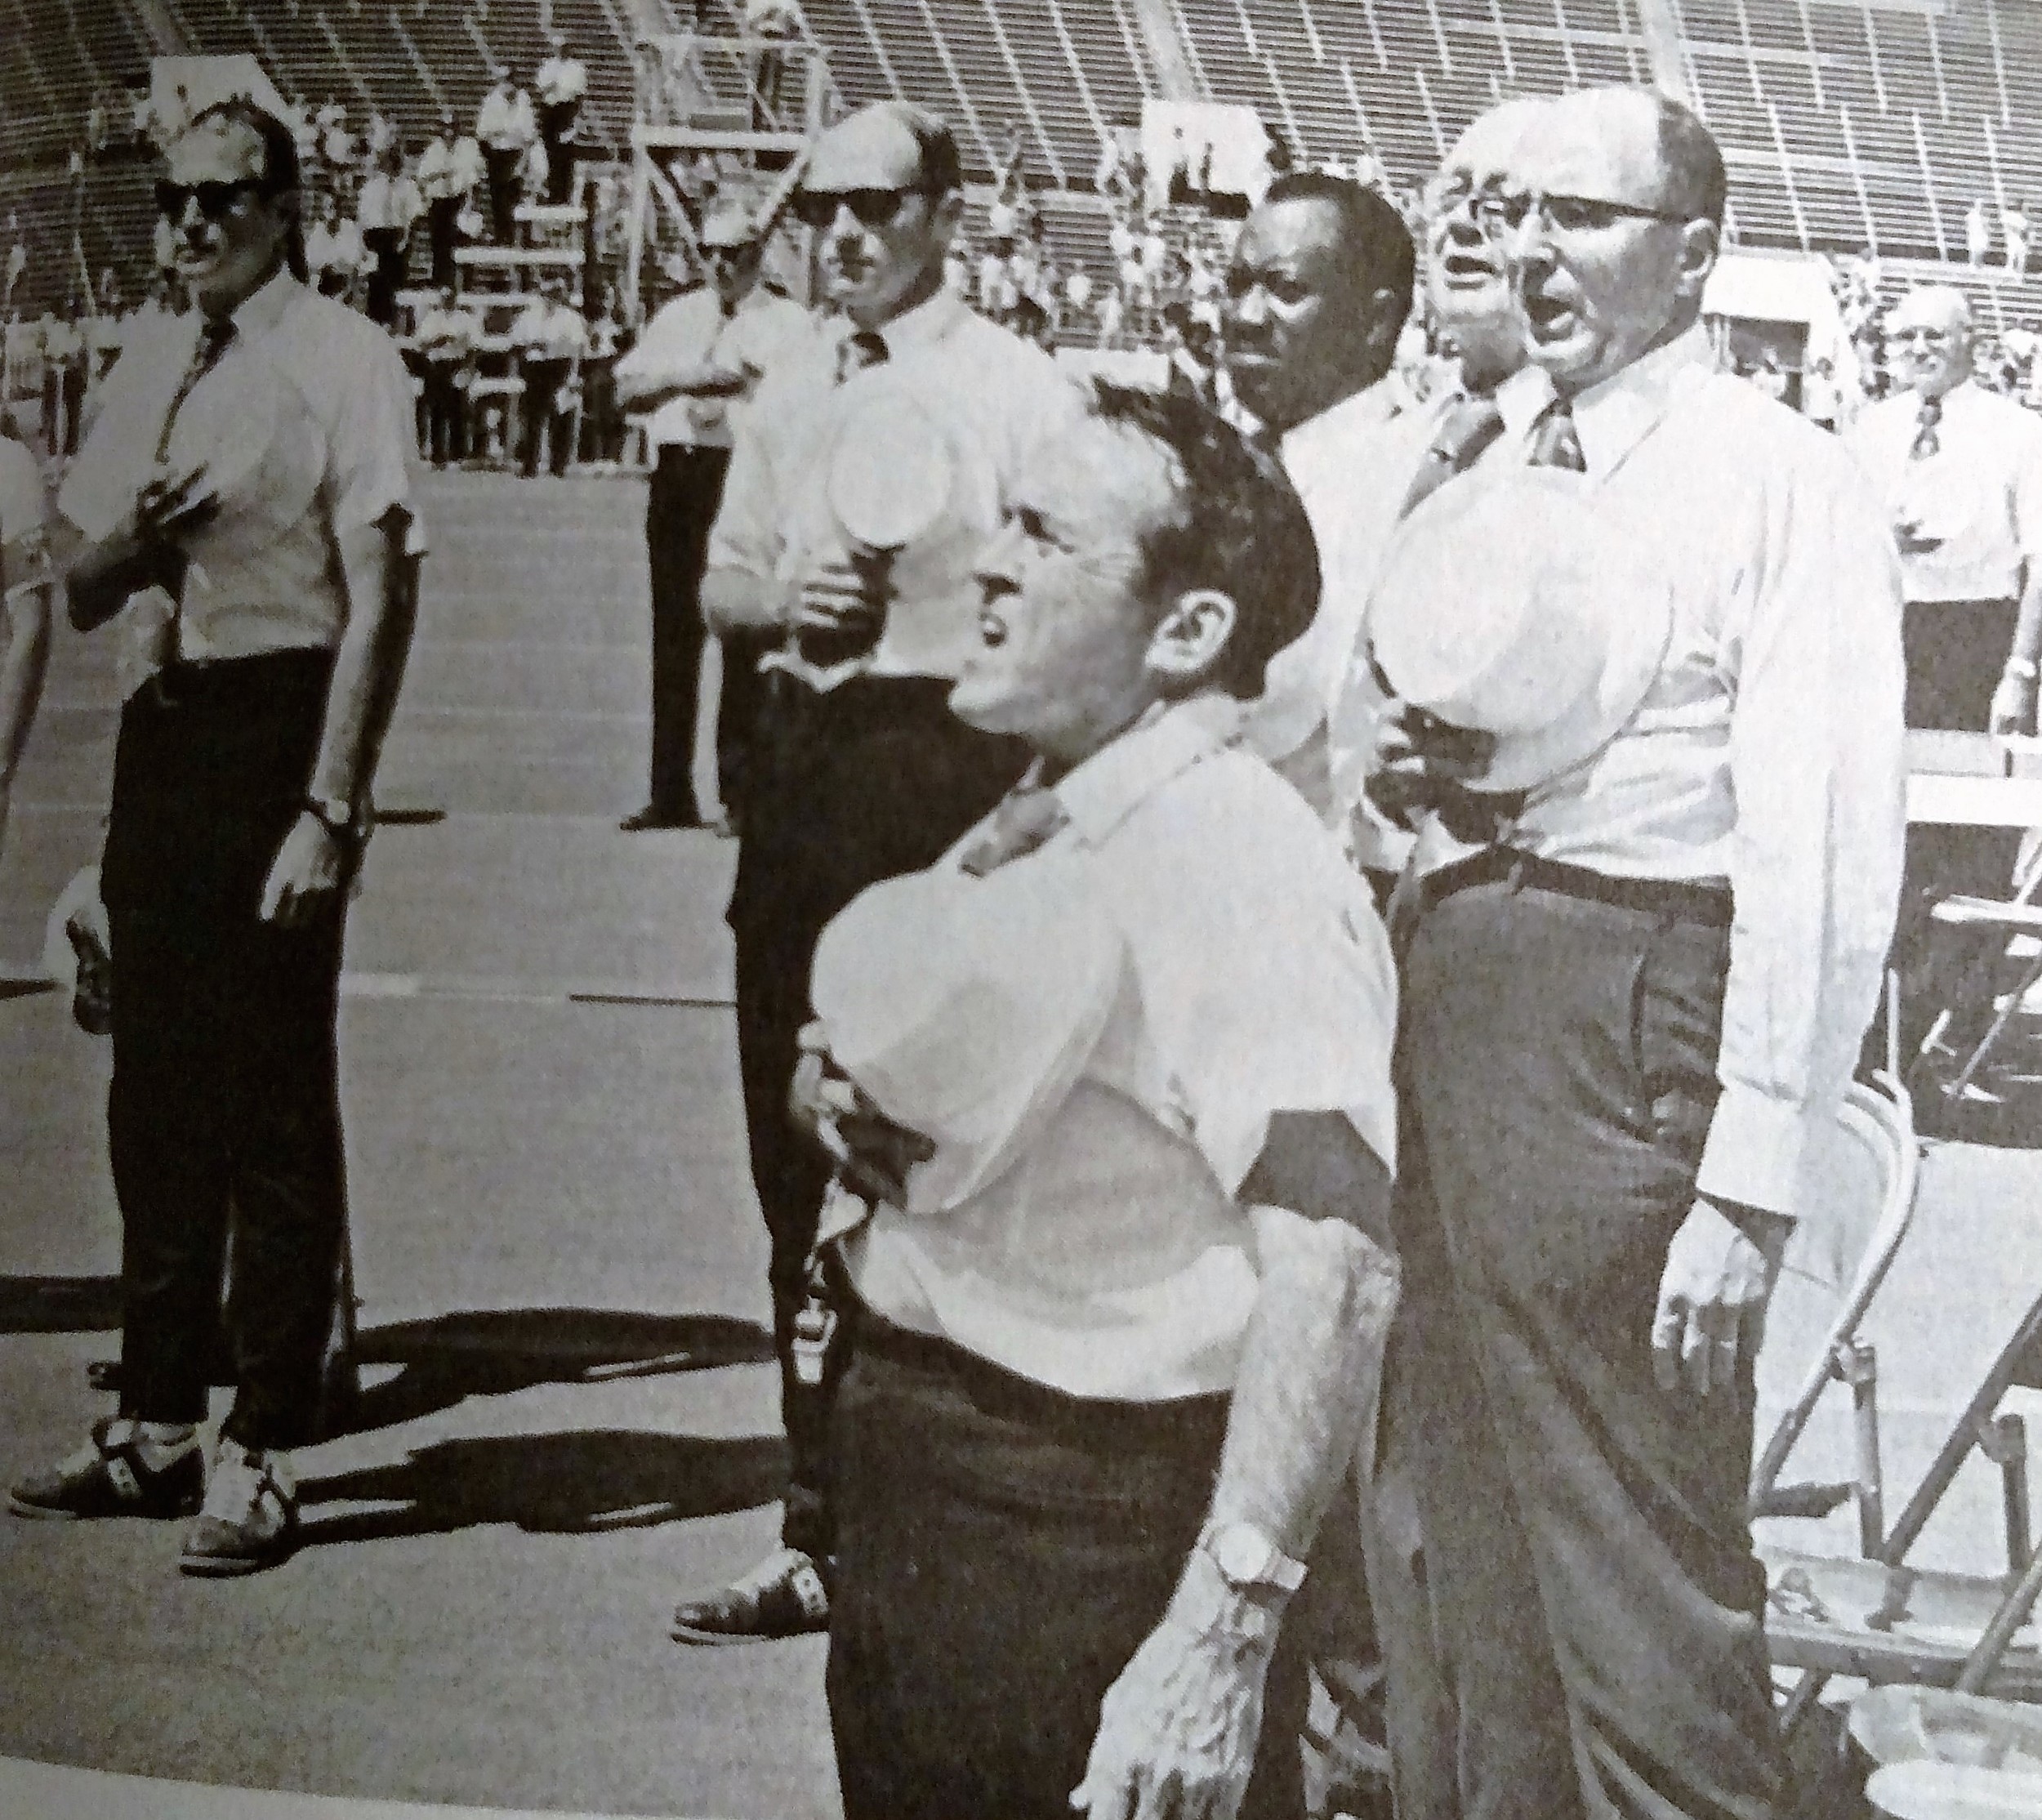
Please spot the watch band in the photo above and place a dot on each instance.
(351, 827)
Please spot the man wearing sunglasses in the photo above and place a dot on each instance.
(252, 460)
(862, 772)
(1629, 1019)
(696, 360)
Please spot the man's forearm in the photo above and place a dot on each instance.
(25, 612)
(2026, 652)
(369, 664)
(1309, 1365)
(648, 390)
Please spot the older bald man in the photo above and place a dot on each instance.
(1628, 1018)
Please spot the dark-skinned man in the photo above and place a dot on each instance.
(1628, 1016)
(924, 410)
(253, 462)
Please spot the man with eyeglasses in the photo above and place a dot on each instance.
(1961, 470)
(253, 461)
(1629, 1018)
(925, 409)
(701, 353)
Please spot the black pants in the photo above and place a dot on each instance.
(1003, 1551)
(446, 412)
(442, 236)
(602, 423)
(1956, 651)
(224, 1108)
(681, 506)
(871, 780)
(386, 245)
(1585, 1540)
(546, 416)
(501, 166)
(556, 131)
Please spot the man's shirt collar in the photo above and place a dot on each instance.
(1369, 408)
(926, 324)
(1101, 793)
(259, 315)
(1614, 417)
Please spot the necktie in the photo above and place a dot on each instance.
(1467, 428)
(214, 335)
(866, 348)
(1027, 817)
(1927, 420)
(1555, 443)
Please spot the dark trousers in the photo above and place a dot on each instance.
(556, 131)
(680, 506)
(1003, 1551)
(1586, 1541)
(386, 245)
(445, 409)
(546, 416)
(1956, 651)
(602, 423)
(873, 779)
(442, 236)
(224, 1113)
(501, 166)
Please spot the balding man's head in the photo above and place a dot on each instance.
(1930, 340)
(883, 189)
(1466, 284)
(1619, 196)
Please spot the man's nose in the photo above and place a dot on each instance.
(997, 569)
(1249, 308)
(191, 216)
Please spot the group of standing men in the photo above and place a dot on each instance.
(1635, 967)
(1071, 1391)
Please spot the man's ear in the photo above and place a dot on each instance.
(1191, 636)
(1701, 243)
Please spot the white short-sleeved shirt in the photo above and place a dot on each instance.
(1096, 1243)
(1968, 518)
(990, 396)
(691, 331)
(305, 427)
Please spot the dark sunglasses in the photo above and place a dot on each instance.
(871, 208)
(216, 197)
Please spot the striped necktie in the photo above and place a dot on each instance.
(1555, 441)
(1927, 420)
(1468, 427)
(855, 353)
(1027, 817)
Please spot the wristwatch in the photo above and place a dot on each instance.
(344, 820)
(1248, 1560)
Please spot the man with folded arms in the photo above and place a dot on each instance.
(861, 771)
(253, 462)
(1627, 1020)
(1115, 1328)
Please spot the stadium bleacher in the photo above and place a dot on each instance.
(1848, 127)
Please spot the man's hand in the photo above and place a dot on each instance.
(170, 502)
(1178, 1730)
(1423, 763)
(2012, 710)
(838, 600)
(872, 1152)
(1712, 1294)
(311, 869)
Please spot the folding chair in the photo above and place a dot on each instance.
(2018, 915)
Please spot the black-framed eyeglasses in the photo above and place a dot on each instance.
(869, 207)
(1935, 337)
(1566, 214)
(216, 197)
(726, 256)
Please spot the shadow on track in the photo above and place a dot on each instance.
(452, 1356)
(59, 1305)
(589, 1480)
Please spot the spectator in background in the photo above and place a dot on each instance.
(25, 600)
(450, 170)
(602, 419)
(1978, 231)
(703, 353)
(442, 342)
(384, 211)
(562, 82)
(336, 138)
(506, 130)
(2013, 228)
(333, 249)
(550, 336)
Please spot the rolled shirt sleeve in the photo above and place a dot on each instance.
(372, 446)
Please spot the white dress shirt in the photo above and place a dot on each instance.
(1768, 753)
(1352, 466)
(23, 501)
(991, 394)
(1235, 969)
(549, 330)
(690, 331)
(387, 202)
(505, 122)
(1968, 517)
(305, 425)
(561, 79)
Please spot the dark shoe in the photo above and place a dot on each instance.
(250, 1518)
(109, 1479)
(648, 819)
(785, 1595)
